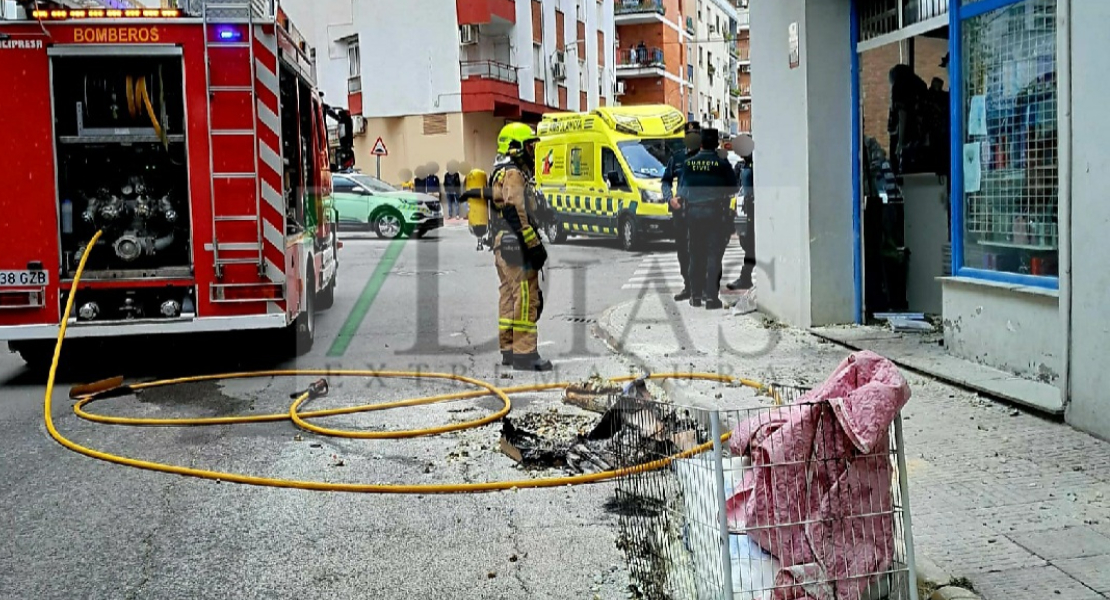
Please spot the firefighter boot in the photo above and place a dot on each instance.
(506, 358)
(531, 362)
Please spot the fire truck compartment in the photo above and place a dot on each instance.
(122, 165)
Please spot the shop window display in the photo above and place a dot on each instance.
(1009, 140)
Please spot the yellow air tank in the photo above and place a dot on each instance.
(478, 217)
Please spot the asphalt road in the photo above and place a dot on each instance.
(75, 527)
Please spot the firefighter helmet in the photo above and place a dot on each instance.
(514, 133)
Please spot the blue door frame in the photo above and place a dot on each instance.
(857, 167)
(956, 15)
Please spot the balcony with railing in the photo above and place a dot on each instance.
(630, 7)
(742, 92)
(488, 69)
(640, 61)
(634, 12)
(489, 86)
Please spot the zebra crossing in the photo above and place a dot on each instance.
(662, 272)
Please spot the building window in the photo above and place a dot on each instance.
(1009, 178)
(537, 21)
(582, 73)
(354, 67)
(538, 70)
(560, 31)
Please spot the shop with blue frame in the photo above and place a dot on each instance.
(997, 138)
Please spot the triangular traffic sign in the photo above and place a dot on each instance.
(379, 148)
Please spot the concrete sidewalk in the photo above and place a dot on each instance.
(1017, 504)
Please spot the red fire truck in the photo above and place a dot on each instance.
(195, 139)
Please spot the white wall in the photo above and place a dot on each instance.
(322, 22)
(718, 88)
(782, 199)
(411, 54)
(608, 78)
(599, 16)
(522, 39)
(410, 57)
(803, 168)
(1003, 327)
(827, 52)
(1090, 278)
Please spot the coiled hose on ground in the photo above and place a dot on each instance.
(300, 419)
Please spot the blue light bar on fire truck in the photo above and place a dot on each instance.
(107, 13)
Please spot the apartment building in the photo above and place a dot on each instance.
(742, 91)
(437, 79)
(651, 53)
(712, 57)
(684, 53)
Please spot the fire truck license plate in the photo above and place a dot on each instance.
(23, 278)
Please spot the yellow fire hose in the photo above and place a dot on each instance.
(138, 98)
(299, 419)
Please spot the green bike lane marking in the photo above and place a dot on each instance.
(366, 299)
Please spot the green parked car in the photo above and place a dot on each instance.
(368, 202)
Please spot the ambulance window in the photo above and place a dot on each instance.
(645, 158)
(609, 162)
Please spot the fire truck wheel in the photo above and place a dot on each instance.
(326, 298)
(304, 328)
(37, 355)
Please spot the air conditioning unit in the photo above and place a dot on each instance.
(468, 35)
(618, 88)
(358, 123)
(559, 70)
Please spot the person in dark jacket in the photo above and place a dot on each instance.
(705, 190)
(452, 189)
(678, 214)
(432, 185)
(746, 232)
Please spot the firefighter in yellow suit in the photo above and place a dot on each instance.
(518, 252)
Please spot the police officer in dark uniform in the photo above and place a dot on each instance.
(705, 190)
(678, 212)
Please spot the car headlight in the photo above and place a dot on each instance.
(651, 196)
(410, 201)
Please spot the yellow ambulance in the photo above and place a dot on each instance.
(600, 171)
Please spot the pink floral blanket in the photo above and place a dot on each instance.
(818, 494)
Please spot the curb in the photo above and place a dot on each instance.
(602, 330)
(940, 584)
